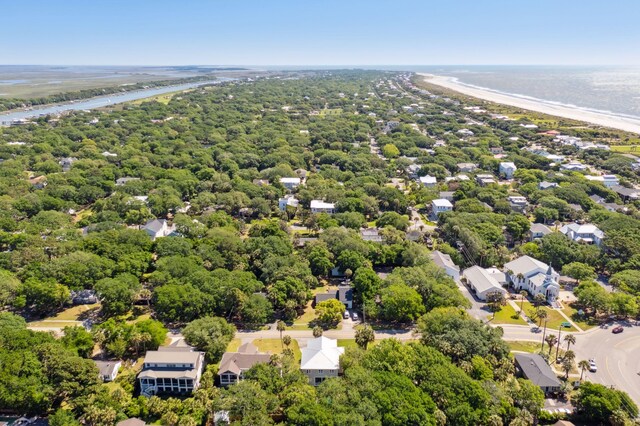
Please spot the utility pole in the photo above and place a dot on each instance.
(558, 347)
(543, 335)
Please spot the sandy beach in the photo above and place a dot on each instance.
(600, 119)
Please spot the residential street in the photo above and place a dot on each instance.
(616, 355)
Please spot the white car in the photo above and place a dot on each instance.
(346, 315)
(354, 316)
(592, 366)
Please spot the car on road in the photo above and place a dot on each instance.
(355, 316)
(346, 315)
(618, 329)
(592, 366)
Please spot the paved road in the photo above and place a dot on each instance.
(617, 357)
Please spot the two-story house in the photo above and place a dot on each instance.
(321, 359)
(440, 206)
(507, 169)
(234, 364)
(290, 182)
(171, 370)
(319, 206)
(586, 233)
(534, 276)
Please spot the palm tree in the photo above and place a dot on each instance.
(569, 355)
(566, 367)
(583, 365)
(542, 315)
(570, 339)
(286, 340)
(523, 294)
(364, 336)
(317, 331)
(538, 299)
(551, 340)
(281, 326)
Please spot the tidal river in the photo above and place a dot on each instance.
(6, 119)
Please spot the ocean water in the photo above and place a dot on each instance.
(610, 90)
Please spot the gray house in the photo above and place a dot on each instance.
(344, 293)
(536, 369)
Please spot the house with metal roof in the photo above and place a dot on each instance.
(583, 233)
(482, 282)
(321, 359)
(444, 261)
(534, 276)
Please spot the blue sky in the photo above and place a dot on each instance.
(320, 32)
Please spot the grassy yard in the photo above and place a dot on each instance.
(302, 322)
(554, 318)
(54, 324)
(233, 345)
(507, 315)
(521, 346)
(274, 346)
(631, 149)
(73, 313)
(584, 323)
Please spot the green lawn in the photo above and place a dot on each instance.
(584, 323)
(74, 312)
(233, 345)
(520, 346)
(55, 324)
(554, 318)
(507, 315)
(631, 149)
(274, 346)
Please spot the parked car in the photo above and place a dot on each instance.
(355, 316)
(592, 366)
(346, 315)
(618, 329)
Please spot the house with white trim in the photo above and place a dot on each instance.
(507, 169)
(234, 364)
(171, 370)
(445, 262)
(321, 359)
(534, 276)
(428, 181)
(585, 233)
(319, 206)
(440, 206)
(290, 182)
(483, 282)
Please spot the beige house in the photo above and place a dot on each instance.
(234, 364)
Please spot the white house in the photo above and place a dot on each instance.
(482, 282)
(321, 359)
(158, 228)
(290, 182)
(607, 180)
(444, 261)
(288, 201)
(108, 370)
(439, 206)
(574, 166)
(171, 370)
(587, 233)
(547, 185)
(507, 169)
(319, 206)
(428, 181)
(534, 276)
(485, 179)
